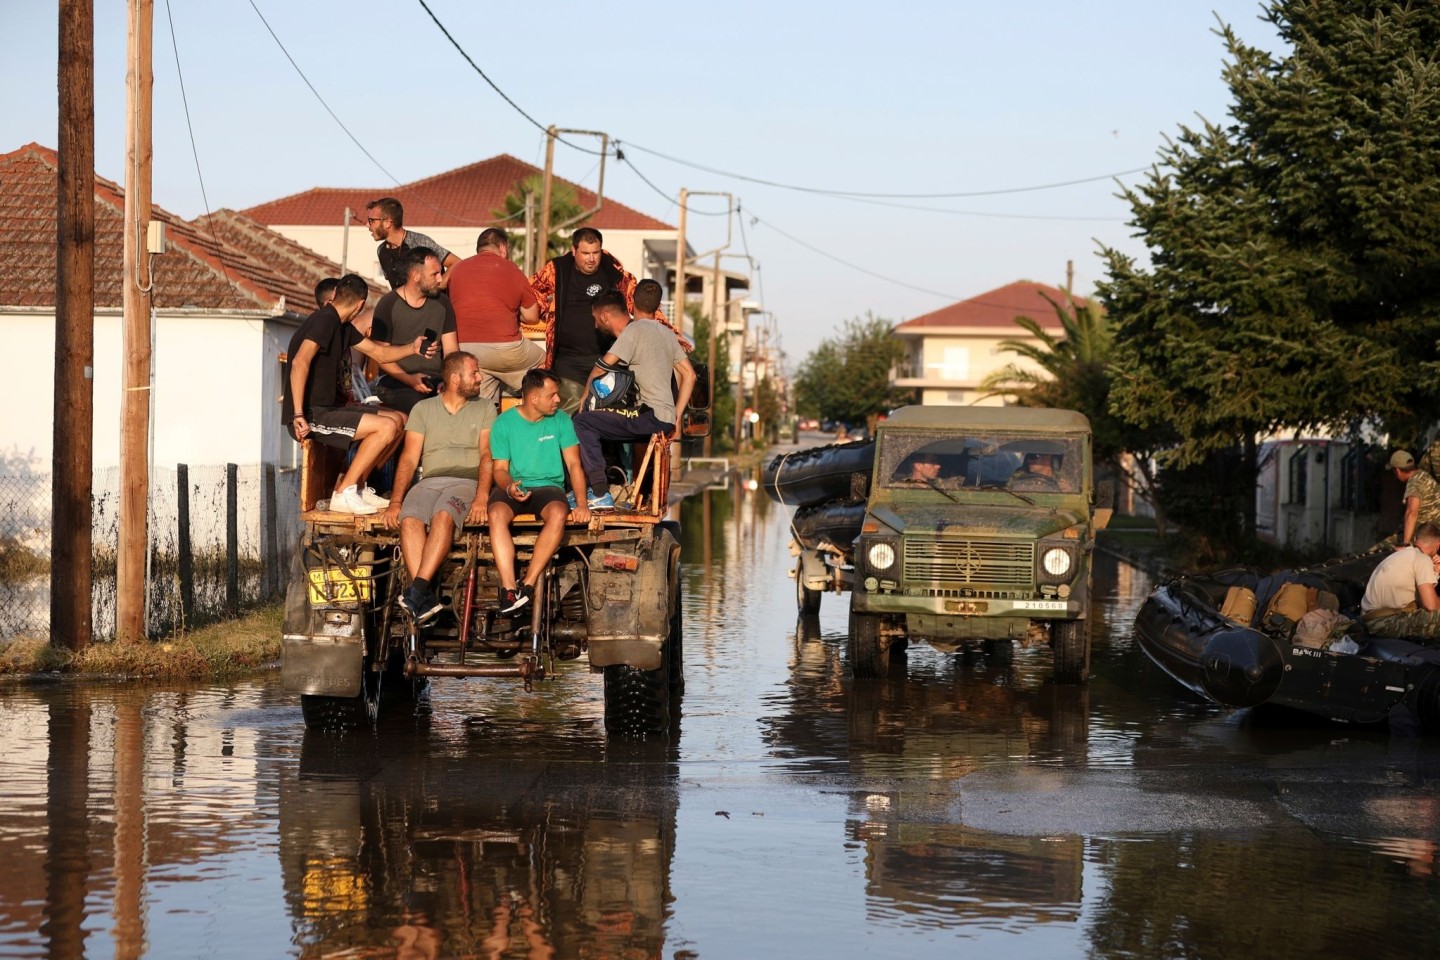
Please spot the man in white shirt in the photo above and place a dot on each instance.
(1400, 599)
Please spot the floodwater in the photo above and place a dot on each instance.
(972, 808)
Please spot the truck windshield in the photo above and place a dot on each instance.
(996, 460)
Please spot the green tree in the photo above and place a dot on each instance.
(1293, 251)
(564, 205)
(722, 391)
(848, 378)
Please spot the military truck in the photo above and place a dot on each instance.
(611, 594)
(973, 528)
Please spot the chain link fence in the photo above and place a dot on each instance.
(220, 539)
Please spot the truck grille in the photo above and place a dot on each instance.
(970, 561)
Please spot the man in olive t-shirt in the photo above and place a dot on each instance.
(448, 438)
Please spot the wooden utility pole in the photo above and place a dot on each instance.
(547, 182)
(130, 586)
(74, 409)
(530, 267)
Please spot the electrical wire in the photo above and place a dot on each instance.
(194, 150)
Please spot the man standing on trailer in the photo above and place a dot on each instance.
(447, 439)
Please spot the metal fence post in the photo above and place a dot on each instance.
(271, 548)
(232, 539)
(185, 559)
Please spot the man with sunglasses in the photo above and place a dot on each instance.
(386, 220)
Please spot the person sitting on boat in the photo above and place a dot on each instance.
(447, 440)
(1400, 599)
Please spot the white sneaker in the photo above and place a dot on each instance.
(350, 501)
(374, 499)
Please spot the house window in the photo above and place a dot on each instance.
(1299, 475)
(1360, 480)
(954, 365)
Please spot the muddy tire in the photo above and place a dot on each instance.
(637, 702)
(807, 601)
(1071, 642)
(867, 658)
(675, 656)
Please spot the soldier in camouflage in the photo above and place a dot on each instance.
(1400, 599)
(1422, 492)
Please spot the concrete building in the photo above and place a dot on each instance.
(949, 352)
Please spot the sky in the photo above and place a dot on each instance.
(907, 97)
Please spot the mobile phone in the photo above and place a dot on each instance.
(429, 340)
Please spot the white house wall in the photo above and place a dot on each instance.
(216, 380)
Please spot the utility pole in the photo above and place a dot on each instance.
(548, 181)
(529, 234)
(130, 586)
(74, 410)
(1070, 278)
(345, 243)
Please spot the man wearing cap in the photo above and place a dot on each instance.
(1422, 495)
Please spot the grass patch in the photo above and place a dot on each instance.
(232, 646)
(17, 562)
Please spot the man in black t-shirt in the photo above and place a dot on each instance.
(318, 360)
(402, 315)
(386, 220)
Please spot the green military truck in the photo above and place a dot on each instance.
(975, 528)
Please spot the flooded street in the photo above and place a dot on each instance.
(975, 807)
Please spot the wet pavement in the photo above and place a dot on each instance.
(974, 806)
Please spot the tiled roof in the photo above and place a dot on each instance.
(997, 309)
(465, 197)
(281, 254)
(199, 268)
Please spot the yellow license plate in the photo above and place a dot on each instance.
(333, 585)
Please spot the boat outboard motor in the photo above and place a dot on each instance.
(1242, 667)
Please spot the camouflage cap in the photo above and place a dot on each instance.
(1401, 460)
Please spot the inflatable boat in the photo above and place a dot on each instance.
(1231, 638)
(837, 522)
(818, 475)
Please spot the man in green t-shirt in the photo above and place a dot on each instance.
(534, 449)
(447, 439)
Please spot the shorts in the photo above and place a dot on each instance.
(335, 427)
(454, 495)
(539, 499)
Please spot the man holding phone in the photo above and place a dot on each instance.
(416, 308)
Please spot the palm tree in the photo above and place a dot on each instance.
(564, 206)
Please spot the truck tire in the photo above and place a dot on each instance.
(806, 600)
(867, 658)
(637, 702)
(1071, 642)
(333, 713)
(676, 642)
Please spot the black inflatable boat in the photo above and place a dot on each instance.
(837, 522)
(818, 475)
(1262, 660)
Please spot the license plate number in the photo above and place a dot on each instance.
(1057, 606)
(333, 585)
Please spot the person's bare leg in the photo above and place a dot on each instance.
(412, 544)
(437, 544)
(502, 544)
(374, 434)
(548, 541)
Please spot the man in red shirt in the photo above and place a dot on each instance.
(492, 297)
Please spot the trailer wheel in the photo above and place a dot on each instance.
(1071, 642)
(867, 658)
(637, 702)
(806, 600)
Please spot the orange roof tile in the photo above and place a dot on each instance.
(467, 196)
(998, 308)
(201, 268)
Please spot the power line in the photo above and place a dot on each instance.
(890, 196)
(853, 266)
(194, 150)
(851, 194)
(503, 95)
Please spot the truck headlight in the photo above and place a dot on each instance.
(880, 556)
(1056, 561)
